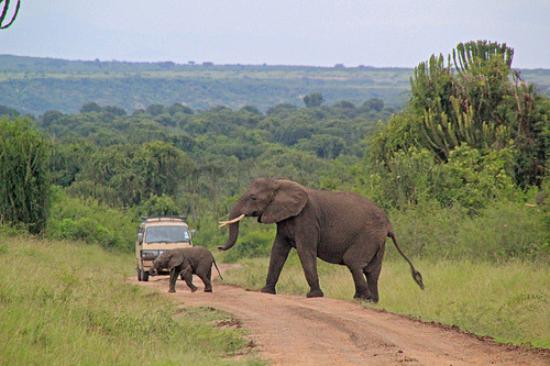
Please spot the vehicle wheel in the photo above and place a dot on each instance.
(145, 276)
(138, 274)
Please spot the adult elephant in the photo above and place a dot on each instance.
(338, 227)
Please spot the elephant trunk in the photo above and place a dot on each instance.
(233, 227)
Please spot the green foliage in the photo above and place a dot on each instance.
(471, 106)
(7, 111)
(24, 184)
(91, 222)
(375, 104)
(469, 179)
(313, 100)
(500, 232)
(128, 174)
(484, 126)
(79, 310)
(158, 206)
(472, 179)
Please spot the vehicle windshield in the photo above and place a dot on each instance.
(166, 234)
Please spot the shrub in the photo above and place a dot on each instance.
(158, 206)
(24, 185)
(91, 222)
(502, 231)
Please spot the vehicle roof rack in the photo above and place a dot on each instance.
(163, 218)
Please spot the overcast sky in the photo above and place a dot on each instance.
(296, 32)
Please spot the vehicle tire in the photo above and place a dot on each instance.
(145, 276)
(138, 274)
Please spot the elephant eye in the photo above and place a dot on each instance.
(253, 198)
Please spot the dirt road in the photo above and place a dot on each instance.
(293, 330)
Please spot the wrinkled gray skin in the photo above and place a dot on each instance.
(186, 262)
(338, 227)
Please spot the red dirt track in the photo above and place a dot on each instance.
(293, 330)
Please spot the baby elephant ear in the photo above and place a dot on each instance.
(289, 200)
(174, 260)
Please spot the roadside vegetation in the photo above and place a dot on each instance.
(462, 171)
(65, 303)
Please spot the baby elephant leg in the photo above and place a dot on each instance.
(187, 276)
(174, 272)
(205, 272)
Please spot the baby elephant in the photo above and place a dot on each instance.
(187, 261)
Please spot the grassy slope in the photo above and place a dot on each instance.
(67, 304)
(506, 301)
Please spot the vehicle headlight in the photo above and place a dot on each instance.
(149, 254)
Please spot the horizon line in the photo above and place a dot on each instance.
(206, 63)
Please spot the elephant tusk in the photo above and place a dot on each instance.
(224, 223)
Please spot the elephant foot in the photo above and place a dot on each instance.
(193, 289)
(315, 293)
(268, 290)
(362, 295)
(366, 297)
(172, 290)
(207, 290)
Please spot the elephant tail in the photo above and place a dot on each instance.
(217, 269)
(417, 277)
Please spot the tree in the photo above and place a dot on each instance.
(155, 109)
(24, 184)
(374, 104)
(158, 206)
(313, 100)
(7, 111)
(50, 117)
(90, 107)
(476, 101)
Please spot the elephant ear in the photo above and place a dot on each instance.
(174, 261)
(289, 200)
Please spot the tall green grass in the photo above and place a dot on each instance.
(68, 304)
(508, 301)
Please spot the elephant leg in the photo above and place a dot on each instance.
(279, 254)
(174, 272)
(204, 271)
(187, 275)
(308, 258)
(205, 277)
(356, 259)
(372, 271)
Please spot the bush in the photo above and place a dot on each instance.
(91, 222)
(502, 231)
(24, 185)
(471, 178)
(158, 206)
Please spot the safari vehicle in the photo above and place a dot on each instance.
(156, 235)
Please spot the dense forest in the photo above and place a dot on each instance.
(36, 85)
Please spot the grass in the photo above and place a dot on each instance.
(507, 301)
(63, 303)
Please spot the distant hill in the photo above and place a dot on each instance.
(35, 85)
